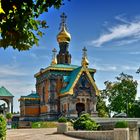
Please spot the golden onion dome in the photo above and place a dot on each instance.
(63, 36)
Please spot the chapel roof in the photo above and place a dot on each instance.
(74, 77)
(5, 92)
(61, 67)
(30, 96)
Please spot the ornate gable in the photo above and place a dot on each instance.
(84, 86)
(79, 74)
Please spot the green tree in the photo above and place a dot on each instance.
(102, 108)
(121, 94)
(135, 109)
(20, 26)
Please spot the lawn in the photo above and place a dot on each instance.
(44, 124)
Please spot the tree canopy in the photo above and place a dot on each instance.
(121, 94)
(19, 23)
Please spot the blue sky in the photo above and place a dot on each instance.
(109, 29)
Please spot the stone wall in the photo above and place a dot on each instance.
(116, 134)
(130, 133)
(92, 135)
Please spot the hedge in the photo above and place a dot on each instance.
(2, 128)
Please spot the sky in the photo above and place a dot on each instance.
(109, 29)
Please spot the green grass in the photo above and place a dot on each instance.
(121, 124)
(44, 124)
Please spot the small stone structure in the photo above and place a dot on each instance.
(62, 128)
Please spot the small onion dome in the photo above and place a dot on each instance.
(54, 61)
(85, 61)
(63, 36)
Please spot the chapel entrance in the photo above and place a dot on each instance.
(79, 108)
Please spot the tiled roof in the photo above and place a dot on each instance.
(61, 67)
(32, 95)
(58, 67)
(64, 66)
(5, 92)
(73, 76)
(66, 78)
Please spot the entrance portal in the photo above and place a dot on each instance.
(79, 108)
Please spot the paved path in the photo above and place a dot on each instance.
(36, 134)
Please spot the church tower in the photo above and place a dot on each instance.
(63, 39)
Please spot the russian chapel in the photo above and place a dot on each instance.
(62, 88)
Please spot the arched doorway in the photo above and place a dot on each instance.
(4, 106)
(79, 108)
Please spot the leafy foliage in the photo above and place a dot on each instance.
(62, 119)
(102, 109)
(2, 128)
(9, 116)
(121, 124)
(135, 109)
(121, 93)
(84, 122)
(19, 23)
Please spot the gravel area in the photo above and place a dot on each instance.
(36, 134)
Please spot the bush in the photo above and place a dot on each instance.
(9, 116)
(121, 124)
(2, 128)
(85, 123)
(62, 120)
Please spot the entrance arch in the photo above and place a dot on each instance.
(4, 106)
(6, 96)
(79, 108)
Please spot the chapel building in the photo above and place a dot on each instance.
(62, 88)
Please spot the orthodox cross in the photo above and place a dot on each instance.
(84, 52)
(63, 20)
(54, 53)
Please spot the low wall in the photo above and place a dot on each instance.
(93, 135)
(107, 131)
(109, 123)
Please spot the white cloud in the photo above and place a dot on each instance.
(9, 70)
(106, 68)
(115, 68)
(125, 42)
(128, 31)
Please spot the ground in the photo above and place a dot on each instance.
(36, 134)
